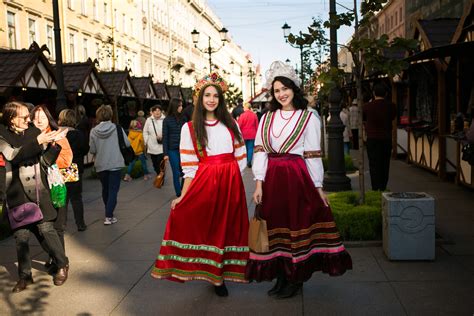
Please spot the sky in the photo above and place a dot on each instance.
(255, 25)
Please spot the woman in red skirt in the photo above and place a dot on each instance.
(206, 233)
(288, 170)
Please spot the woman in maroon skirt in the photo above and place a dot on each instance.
(206, 234)
(288, 170)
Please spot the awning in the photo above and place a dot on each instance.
(457, 49)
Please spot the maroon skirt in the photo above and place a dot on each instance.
(302, 234)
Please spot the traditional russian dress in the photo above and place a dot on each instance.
(206, 236)
(303, 237)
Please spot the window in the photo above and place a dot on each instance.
(50, 40)
(116, 20)
(84, 7)
(70, 4)
(85, 49)
(95, 10)
(132, 29)
(106, 14)
(11, 29)
(396, 18)
(71, 47)
(401, 14)
(391, 22)
(97, 51)
(124, 23)
(31, 31)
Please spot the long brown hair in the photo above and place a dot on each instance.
(51, 121)
(199, 116)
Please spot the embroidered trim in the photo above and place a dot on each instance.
(312, 154)
(238, 145)
(305, 242)
(189, 163)
(198, 275)
(266, 257)
(187, 152)
(265, 133)
(302, 231)
(204, 247)
(203, 261)
(241, 157)
(296, 133)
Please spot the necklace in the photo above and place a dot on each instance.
(284, 118)
(288, 121)
(211, 124)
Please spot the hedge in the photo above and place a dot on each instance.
(354, 221)
(349, 164)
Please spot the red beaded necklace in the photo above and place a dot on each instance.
(288, 122)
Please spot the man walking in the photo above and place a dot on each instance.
(378, 116)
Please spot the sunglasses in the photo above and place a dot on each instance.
(25, 118)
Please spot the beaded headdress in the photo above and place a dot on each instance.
(211, 79)
(280, 69)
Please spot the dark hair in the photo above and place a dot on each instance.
(379, 90)
(221, 113)
(173, 108)
(51, 121)
(299, 102)
(10, 111)
(156, 107)
(67, 117)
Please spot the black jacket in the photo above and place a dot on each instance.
(188, 113)
(79, 146)
(171, 133)
(22, 155)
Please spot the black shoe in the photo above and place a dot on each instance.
(82, 228)
(279, 285)
(48, 264)
(22, 284)
(221, 290)
(61, 276)
(290, 290)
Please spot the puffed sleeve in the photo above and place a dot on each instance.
(260, 157)
(240, 152)
(189, 159)
(312, 151)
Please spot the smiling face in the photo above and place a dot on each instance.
(41, 120)
(283, 94)
(156, 114)
(22, 118)
(210, 99)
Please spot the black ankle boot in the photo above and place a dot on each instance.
(221, 290)
(290, 290)
(280, 284)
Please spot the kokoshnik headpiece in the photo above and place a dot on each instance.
(280, 69)
(211, 79)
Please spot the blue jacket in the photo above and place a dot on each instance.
(171, 133)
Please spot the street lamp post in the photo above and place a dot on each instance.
(61, 97)
(209, 50)
(335, 178)
(286, 32)
(252, 79)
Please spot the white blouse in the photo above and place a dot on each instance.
(310, 141)
(219, 141)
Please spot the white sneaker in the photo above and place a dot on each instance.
(110, 220)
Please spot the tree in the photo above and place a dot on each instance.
(232, 94)
(369, 55)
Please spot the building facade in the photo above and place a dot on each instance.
(145, 36)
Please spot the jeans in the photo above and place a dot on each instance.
(156, 161)
(378, 151)
(110, 181)
(249, 144)
(74, 194)
(175, 163)
(48, 237)
(142, 159)
(347, 147)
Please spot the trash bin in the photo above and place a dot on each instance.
(408, 226)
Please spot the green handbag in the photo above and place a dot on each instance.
(57, 187)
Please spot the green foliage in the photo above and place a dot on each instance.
(349, 164)
(357, 222)
(341, 19)
(329, 79)
(232, 94)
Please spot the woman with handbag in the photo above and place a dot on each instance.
(171, 138)
(80, 147)
(302, 235)
(153, 136)
(44, 121)
(206, 234)
(109, 161)
(24, 147)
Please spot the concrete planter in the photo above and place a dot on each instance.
(408, 226)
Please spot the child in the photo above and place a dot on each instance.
(135, 136)
(206, 233)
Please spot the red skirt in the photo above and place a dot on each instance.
(302, 235)
(206, 237)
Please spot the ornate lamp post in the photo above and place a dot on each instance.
(300, 43)
(61, 97)
(335, 178)
(209, 50)
(252, 79)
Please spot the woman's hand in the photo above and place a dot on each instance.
(175, 202)
(166, 158)
(258, 194)
(323, 196)
(48, 137)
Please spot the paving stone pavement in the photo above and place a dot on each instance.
(110, 265)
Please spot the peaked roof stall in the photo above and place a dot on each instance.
(146, 92)
(123, 96)
(26, 75)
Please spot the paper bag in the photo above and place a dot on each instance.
(258, 235)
